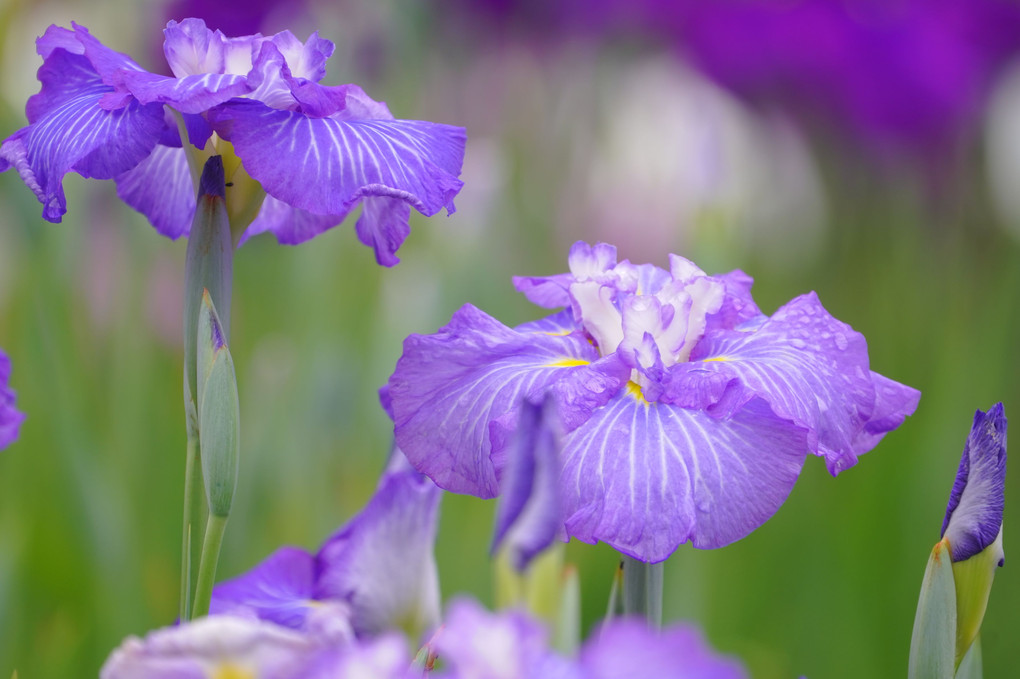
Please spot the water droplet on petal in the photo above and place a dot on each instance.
(797, 343)
(841, 342)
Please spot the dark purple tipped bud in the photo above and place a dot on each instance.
(213, 181)
(974, 515)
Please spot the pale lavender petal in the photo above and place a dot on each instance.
(382, 563)
(289, 224)
(811, 368)
(647, 477)
(279, 590)
(447, 388)
(212, 646)
(478, 644)
(326, 166)
(974, 514)
(307, 59)
(10, 418)
(528, 514)
(192, 49)
(551, 292)
(383, 658)
(678, 652)
(160, 187)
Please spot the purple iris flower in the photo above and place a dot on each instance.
(379, 569)
(477, 644)
(687, 412)
(317, 151)
(10, 418)
(973, 518)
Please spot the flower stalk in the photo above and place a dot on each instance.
(642, 590)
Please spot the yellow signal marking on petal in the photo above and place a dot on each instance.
(232, 671)
(722, 359)
(634, 389)
(558, 333)
(567, 363)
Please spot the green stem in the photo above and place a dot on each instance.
(642, 590)
(207, 566)
(189, 483)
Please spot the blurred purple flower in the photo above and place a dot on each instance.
(477, 644)
(379, 568)
(912, 75)
(228, 646)
(973, 518)
(317, 151)
(687, 412)
(10, 418)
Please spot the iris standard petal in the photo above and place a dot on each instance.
(325, 165)
(812, 369)
(161, 188)
(189, 94)
(974, 514)
(448, 387)
(647, 477)
(279, 590)
(382, 563)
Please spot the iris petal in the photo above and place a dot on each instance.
(647, 477)
(160, 187)
(325, 166)
(449, 387)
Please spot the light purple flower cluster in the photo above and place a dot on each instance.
(687, 412)
(973, 518)
(316, 150)
(10, 417)
(476, 644)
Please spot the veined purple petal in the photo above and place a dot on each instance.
(325, 165)
(189, 94)
(738, 306)
(160, 187)
(382, 562)
(279, 589)
(811, 368)
(306, 60)
(10, 418)
(647, 477)
(447, 388)
(678, 652)
(528, 514)
(78, 134)
(289, 224)
(974, 514)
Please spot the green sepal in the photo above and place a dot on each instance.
(209, 264)
(933, 642)
(218, 410)
(973, 579)
(971, 665)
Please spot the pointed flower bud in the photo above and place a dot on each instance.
(209, 266)
(218, 411)
(973, 522)
(958, 578)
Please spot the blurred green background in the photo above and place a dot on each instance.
(579, 138)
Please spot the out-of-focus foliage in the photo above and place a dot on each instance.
(579, 137)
